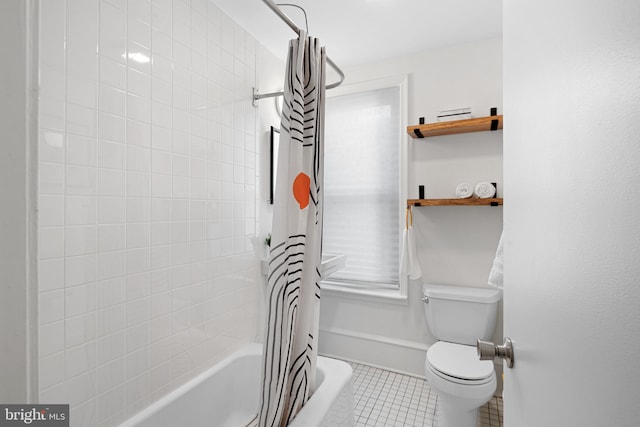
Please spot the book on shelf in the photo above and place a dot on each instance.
(455, 114)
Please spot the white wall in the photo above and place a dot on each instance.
(148, 200)
(572, 85)
(18, 371)
(270, 79)
(455, 245)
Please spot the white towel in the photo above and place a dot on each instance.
(464, 190)
(409, 258)
(485, 190)
(497, 270)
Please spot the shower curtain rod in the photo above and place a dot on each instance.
(274, 7)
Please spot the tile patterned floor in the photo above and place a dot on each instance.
(387, 399)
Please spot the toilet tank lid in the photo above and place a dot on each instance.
(462, 293)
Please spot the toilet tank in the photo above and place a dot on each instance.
(461, 314)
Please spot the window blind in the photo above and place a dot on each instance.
(361, 182)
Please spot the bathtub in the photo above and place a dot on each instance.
(227, 394)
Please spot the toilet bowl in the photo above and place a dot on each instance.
(457, 316)
(462, 382)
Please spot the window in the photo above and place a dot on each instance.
(362, 183)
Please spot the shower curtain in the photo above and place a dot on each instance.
(293, 292)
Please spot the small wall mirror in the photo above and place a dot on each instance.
(273, 150)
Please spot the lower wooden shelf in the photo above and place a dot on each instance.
(497, 201)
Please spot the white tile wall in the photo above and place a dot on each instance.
(147, 200)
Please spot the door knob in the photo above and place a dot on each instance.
(489, 351)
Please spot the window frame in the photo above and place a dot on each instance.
(400, 295)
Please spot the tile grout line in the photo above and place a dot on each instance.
(384, 398)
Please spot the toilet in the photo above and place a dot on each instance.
(457, 316)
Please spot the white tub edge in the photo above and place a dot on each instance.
(320, 403)
(249, 349)
(316, 409)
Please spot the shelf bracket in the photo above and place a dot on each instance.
(418, 133)
(494, 123)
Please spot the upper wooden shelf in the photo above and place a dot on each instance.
(457, 126)
(498, 201)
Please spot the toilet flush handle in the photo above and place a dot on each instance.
(489, 351)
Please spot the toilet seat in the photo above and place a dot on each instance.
(459, 364)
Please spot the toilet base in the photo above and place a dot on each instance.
(454, 417)
(458, 405)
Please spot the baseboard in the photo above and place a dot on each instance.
(402, 356)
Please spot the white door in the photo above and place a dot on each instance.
(572, 212)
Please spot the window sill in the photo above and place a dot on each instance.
(382, 296)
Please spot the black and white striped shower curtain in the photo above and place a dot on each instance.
(293, 293)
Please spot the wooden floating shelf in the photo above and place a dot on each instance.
(498, 201)
(457, 126)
